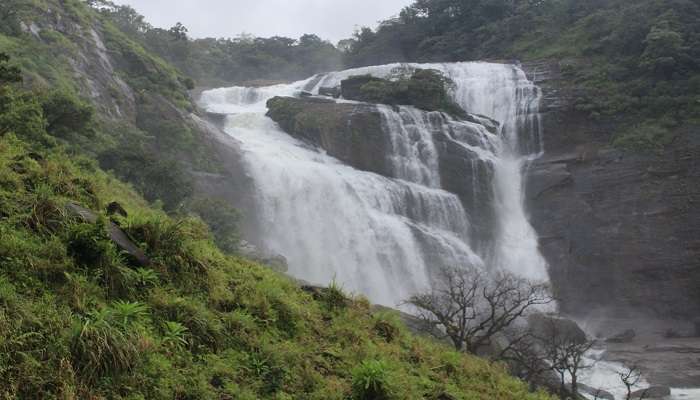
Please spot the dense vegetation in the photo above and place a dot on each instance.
(82, 319)
(213, 62)
(424, 88)
(636, 63)
(142, 131)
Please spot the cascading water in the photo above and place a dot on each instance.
(382, 236)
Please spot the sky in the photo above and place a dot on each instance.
(330, 19)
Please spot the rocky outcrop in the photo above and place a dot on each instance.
(651, 393)
(619, 229)
(351, 133)
(549, 326)
(355, 134)
(115, 233)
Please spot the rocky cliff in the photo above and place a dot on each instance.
(620, 229)
(356, 134)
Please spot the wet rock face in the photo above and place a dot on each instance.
(351, 133)
(651, 393)
(619, 230)
(355, 134)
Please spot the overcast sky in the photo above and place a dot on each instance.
(330, 19)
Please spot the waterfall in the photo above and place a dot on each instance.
(383, 235)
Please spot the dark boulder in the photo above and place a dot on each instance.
(546, 326)
(115, 208)
(351, 88)
(334, 92)
(623, 337)
(352, 133)
(116, 234)
(651, 393)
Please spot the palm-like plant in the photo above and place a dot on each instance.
(127, 314)
(174, 335)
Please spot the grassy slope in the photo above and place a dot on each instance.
(79, 320)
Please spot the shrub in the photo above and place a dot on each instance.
(222, 219)
(334, 298)
(173, 337)
(67, 115)
(425, 88)
(90, 246)
(370, 381)
(106, 343)
(387, 326)
(21, 114)
(155, 177)
(8, 73)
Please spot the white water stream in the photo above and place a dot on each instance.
(378, 235)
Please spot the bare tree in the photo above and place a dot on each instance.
(565, 351)
(630, 378)
(525, 357)
(470, 307)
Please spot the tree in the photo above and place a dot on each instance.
(470, 307)
(179, 32)
(66, 114)
(664, 49)
(8, 73)
(565, 351)
(630, 378)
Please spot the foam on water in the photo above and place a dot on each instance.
(382, 236)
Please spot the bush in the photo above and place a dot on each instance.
(67, 115)
(334, 298)
(370, 381)
(424, 88)
(155, 177)
(222, 219)
(90, 246)
(109, 342)
(21, 113)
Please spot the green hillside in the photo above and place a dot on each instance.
(633, 64)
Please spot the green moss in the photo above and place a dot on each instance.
(425, 89)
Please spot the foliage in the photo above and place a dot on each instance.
(630, 62)
(107, 341)
(8, 73)
(66, 114)
(424, 88)
(21, 114)
(369, 381)
(157, 178)
(222, 219)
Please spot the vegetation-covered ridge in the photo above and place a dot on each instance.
(424, 88)
(633, 63)
(243, 59)
(82, 319)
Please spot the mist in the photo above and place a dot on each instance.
(330, 19)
